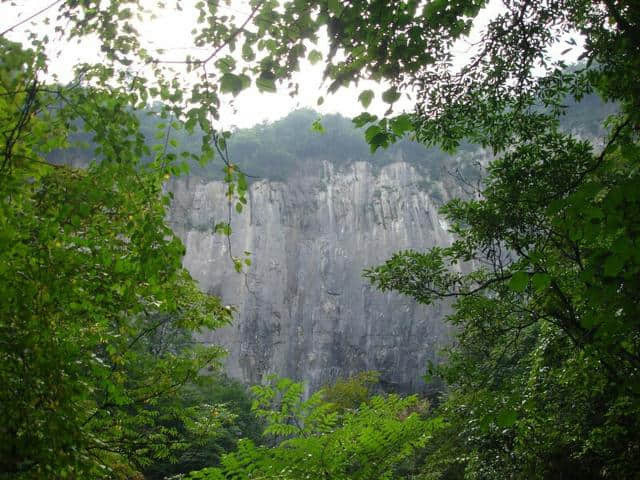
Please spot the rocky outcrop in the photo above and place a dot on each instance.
(303, 309)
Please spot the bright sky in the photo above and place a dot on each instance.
(170, 31)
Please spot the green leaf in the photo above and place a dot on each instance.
(391, 95)
(246, 80)
(541, 281)
(401, 124)
(379, 140)
(242, 183)
(226, 64)
(613, 265)
(519, 281)
(266, 84)
(247, 52)
(230, 83)
(222, 228)
(314, 57)
(316, 126)
(366, 97)
(506, 417)
(364, 118)
(336, 7)
(371, 132)
(588, 321)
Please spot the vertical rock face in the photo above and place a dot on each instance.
(303, 309)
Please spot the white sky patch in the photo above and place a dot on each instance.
(170, 31)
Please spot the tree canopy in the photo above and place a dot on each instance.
(544, 378)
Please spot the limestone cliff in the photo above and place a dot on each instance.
(303, 309)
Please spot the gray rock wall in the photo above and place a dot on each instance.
(303, 309)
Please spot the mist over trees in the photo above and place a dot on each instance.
(276, 150)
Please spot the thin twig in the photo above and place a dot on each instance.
(235, 33)
(30, 17)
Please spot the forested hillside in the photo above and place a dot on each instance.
(276, 150)
(304, 138)
(102, 373)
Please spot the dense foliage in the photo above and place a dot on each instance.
(304, 139)
(544, 381)
(204, 448)
(279, 150)
(546, 369)
(90, 274)
(316, 440)
(545, 378)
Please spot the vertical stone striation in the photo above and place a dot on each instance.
(303, 309)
